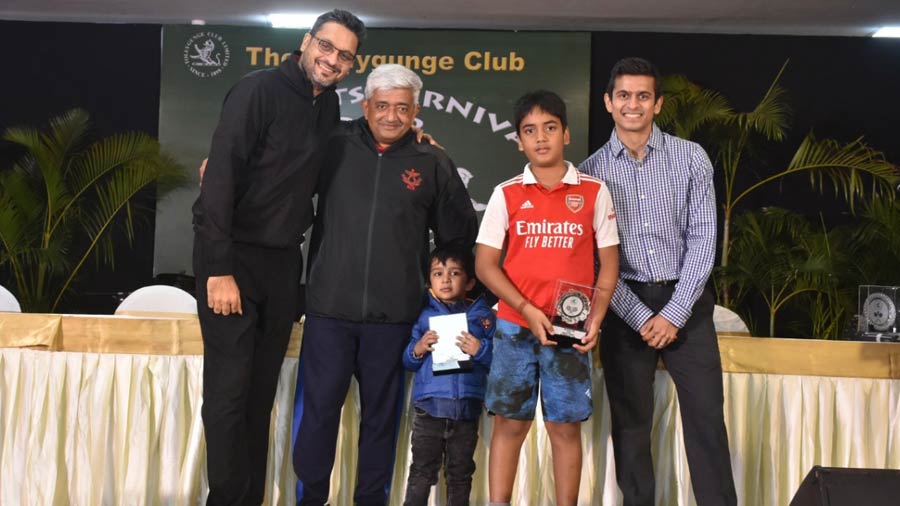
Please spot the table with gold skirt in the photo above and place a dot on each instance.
(106, 410)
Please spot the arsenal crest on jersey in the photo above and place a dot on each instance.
(574, 202)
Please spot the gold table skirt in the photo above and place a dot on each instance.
(180, 335)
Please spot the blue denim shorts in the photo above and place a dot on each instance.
(520, 363)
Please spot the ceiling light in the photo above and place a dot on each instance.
(887, 31)
(292, 19)
(199, 22)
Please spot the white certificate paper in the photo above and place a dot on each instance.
(446, 354)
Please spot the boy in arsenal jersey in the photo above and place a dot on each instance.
(550, 220)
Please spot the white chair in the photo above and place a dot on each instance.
(160, 300)
(8, 301)
(728, 322)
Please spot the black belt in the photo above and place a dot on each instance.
(666, 283)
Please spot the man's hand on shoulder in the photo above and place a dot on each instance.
(658, 332)
(421, 136)
(223, 295)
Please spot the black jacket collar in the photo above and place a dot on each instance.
(297, 77)
(367, 134)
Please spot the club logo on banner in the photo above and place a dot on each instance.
(206, 54)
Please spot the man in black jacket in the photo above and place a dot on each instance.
(380, 193)
(254, 205)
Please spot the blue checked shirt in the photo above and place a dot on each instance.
(666, 212)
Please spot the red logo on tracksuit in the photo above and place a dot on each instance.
(412, 178)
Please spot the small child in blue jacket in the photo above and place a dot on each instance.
(448, 406)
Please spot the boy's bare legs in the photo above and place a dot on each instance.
(506, 443)
(565, 441)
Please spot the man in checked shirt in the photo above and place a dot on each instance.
(662, 190)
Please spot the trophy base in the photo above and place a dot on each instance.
(563, 341)
(565, 337)
(879, 337)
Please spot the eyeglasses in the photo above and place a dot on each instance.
(328, 48)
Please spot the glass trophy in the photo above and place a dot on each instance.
(572, 304)
(879, 313)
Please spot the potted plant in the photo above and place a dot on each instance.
(66, 199)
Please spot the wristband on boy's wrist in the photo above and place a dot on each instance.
(522, 305)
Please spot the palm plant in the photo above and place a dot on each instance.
(851, 168)
(876, 242)
(866, 253)
(828, 310)
(66, 200)
(780, 258)
(688, 108)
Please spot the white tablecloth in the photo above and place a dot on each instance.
(86, 428)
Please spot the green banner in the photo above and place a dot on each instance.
(471, 80)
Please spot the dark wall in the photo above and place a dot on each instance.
(112, 71)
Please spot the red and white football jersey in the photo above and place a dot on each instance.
(549, 234)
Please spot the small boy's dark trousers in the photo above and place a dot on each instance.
(437, 441)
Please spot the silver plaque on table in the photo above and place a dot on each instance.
(879, 313)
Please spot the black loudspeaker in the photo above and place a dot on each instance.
(840, 486)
